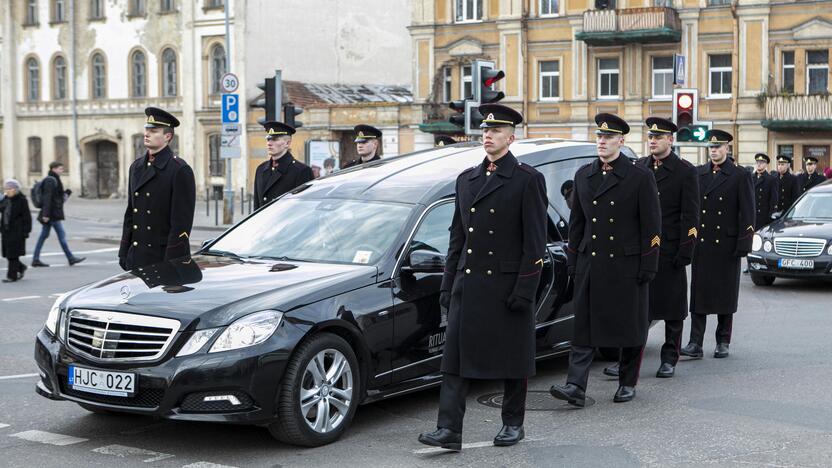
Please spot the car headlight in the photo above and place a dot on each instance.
(248, 331)
(55, 314)
(197, 341)
(767, 246)
(756, 242)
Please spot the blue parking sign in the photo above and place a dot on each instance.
(230, 108)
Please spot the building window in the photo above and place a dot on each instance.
(137, 8)
(62, 151)
(467, 83)
(59, 77)
(58, 11)
(718, 2)
(447, 83)
(214, 3)
(549, 7)
(31, 13)
(168, 73)
(35, 157)
(817, 71)
(468, 10)
(98, 73)
(96, 9)
(32, 80)
(138, 145)
(216, 164)
(662, 77)
(168, 5)
(218, 68)
(788, 72)
(608, 78)
(549, 80)
(138, 69)
(720, 75)
(663, 3)
(785, 150)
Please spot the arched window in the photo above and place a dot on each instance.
(32, 79)
(218, 68)
(59, 77)
(35, 158)
(98, 73)
(168, 73)
(138, 74)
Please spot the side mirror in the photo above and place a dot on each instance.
(776, 215)
(425, 261)
(206, 242)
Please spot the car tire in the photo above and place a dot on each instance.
(762, 280)
(329, 404)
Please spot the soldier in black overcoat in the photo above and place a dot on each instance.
(493, 267)
(678, 184)
(281, 173)
(787, 189)
(161, 199)
(613, 252)
(810, 177)
(725, 232)
(765, 191)
(367, 142)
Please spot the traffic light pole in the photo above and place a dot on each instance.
(228, 193)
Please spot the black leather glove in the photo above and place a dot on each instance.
(645, 276)
(445, 299)
(68, 192)
(519, 304)
(122, 262)
(680, 262)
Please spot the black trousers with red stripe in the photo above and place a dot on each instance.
(580, 359)
(672, 341)
(724, 325)
(452, 396)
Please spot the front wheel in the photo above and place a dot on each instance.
(762, 280)
(319, 393)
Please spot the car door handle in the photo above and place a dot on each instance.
(383, 313)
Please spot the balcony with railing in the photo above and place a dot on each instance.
(798, 112)
(631, 25)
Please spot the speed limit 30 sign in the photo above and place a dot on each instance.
(230, 83)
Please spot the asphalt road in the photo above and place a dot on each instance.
(769, 404)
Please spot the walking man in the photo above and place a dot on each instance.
(810, 177)
(367, 139)
(281, 173)
(15, 226)
(613, 253)
(494, 261)
(51, 214)
(161, 199)
(725, 233)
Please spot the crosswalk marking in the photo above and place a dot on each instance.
(21, 298)
(3, 425)
(82, 252)
(204, 464)
(18, 376)
(472, 445)
(123, 451)
(50, 438)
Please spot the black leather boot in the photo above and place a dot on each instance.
(441, 437)
(624, 394)
(569, 393)
(692, 350)
(509, 435)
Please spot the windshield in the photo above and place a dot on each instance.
(329, 231)
(812, 206)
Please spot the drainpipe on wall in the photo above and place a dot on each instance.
(74, 96)
(735, 81)
(524, 31)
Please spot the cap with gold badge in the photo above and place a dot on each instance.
(784, 158)
(610, 124)
(657, 126)
(366, 132)
(762, 157)
(718, 137)
(444, 140)
(158, 118)
(810, 159)
(498, 115)
(277, 129)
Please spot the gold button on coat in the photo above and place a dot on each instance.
(467, 271)
(470, 251)
(473, 210)
(470, 229)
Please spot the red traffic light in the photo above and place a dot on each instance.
(684, 101)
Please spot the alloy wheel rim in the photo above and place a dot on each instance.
(326, 391)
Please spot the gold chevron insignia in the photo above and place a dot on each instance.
(655, 242)
(539, 261)
(750, 228)
(693, 232)
(185, 235)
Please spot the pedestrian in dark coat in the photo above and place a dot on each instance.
(281, 173)
(725, 233)
(494, 261)
(810, 177)
(51, 214)
(161, 199)
(613, 252)
(765, 192)
(787, 189)
(15, 226)
(367, 144)
(678, 183)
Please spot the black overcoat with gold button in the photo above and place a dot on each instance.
(272, 182)
(726, 229)
(787, 191)
(614, 234)
(765, 198)
(805, 181)
(497, 245)
(678, 183)
(160, 210)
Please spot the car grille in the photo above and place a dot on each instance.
(119, 337)
(798, 246)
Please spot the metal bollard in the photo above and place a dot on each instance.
(216, 210)
(242, 201)
(207, 202)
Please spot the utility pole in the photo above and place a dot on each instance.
(228, 194)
